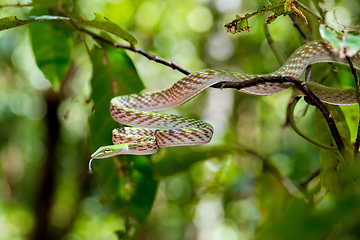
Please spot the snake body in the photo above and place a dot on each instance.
(153, 130)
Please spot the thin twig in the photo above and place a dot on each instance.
(357, 92)
(297, 26)
(308, 74)
(279, 57)
(132, 48)
(301, 5)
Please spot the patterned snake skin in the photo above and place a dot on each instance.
(153, 130)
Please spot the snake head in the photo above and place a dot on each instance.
(109, 151)
(106, 152)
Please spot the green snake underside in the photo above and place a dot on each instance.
(153, 130)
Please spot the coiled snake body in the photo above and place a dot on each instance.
(152, 130)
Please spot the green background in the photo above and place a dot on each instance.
(55, 88)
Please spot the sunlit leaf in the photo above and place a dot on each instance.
(13, 21)
(352, 44)
(10, 22)
(330, 36)
(100, 22)
(103, 23)
(347, 45)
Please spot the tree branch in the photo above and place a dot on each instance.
(132, 48)
(312, 99)
(297, 26)
(279, 57)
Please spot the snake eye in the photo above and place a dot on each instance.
(107, 150)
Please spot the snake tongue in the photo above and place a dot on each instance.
(90, 169)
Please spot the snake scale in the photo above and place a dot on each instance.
(153, 130)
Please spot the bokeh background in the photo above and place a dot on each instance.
(215, 193)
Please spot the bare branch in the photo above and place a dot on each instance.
(312, 99)
(297, 26)
(279, 57)
(132, 48)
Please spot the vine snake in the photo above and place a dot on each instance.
(153, 130)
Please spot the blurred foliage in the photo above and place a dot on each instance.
(256, 180)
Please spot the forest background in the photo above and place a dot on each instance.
(257, 179)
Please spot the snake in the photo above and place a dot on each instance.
(148, 131)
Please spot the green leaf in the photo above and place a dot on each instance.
(113, 73)
(11, 22)
(125, 186)
(329, 162)
(347, 45)
(131, 188)
(100, 22)
(122, 71)
(52, 44)
(332, 168)
(103, 23)
(330, 36)
(101, 123)
(352, 43)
